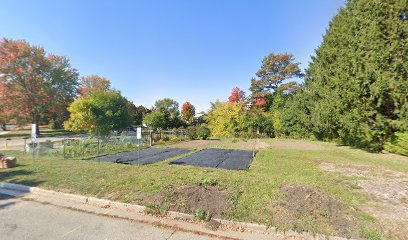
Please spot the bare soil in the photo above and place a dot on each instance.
(195, 144)
(252, 145)
(305, 208)
(387, 191)
(295, 146)
(190, 198)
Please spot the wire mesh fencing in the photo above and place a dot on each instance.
(85, 146)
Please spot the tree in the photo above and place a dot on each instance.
(6, 114)
(188, 112)
(295, 116)
(156, 120)
(64, 88)
(100, 114)
(272, 78)
(137, 113)
(92, 84)
(258, 121)
(358, 78)
(226, 119)
(33, 84)
(170, 109)
(237, 96)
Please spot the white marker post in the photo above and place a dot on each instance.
(33, 136)
(139, 137)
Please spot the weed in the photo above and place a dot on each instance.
(203, 215)
(371, 235)
(206, 182)
(156, 210)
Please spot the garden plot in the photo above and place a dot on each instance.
(219, 158)
(147, 156)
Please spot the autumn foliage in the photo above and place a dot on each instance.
(237, 96)
(34, 85)
(188, 112)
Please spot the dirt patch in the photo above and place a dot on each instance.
(305, 208)
(350, 170)
(251, 145)
(195, 144)
(387, 191)
(191, 198)
(295, 146)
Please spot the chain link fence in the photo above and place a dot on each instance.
(83, 147)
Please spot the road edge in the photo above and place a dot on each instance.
(183, 222)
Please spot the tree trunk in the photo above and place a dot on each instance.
(3, 126)
(37, 129)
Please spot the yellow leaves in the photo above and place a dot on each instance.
(226, 119)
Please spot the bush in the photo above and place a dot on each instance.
(398, 143)
(192, 132)
(203, 132)
(52, 125)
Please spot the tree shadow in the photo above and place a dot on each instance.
(8, 176)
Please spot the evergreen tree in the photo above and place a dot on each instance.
(358, 79)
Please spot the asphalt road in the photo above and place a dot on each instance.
(18, 144)
(32, 220)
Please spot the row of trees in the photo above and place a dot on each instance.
(41, 88)
(166, 115)
(355, 89)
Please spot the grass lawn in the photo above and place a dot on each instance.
(286, 186)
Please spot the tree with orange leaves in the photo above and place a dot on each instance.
(188, 112)
(92, 84)
(33, 84)
(237, 96)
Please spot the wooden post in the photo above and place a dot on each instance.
(63, 148)
(151, 137)
(98, 143)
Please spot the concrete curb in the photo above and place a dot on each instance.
(18, 190)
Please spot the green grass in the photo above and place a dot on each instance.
(270, 170)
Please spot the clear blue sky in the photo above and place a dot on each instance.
(188, 50)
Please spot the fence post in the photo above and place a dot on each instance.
(98, 143)
(151, 137)
(83, 148)
(63, 148)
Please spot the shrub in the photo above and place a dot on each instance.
(203, 132)
(52, 125)
(398, 143)
(192, 132)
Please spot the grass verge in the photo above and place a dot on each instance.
(273, 168)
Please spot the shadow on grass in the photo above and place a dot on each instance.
(11, 176)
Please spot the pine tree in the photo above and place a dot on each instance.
(359, 77)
